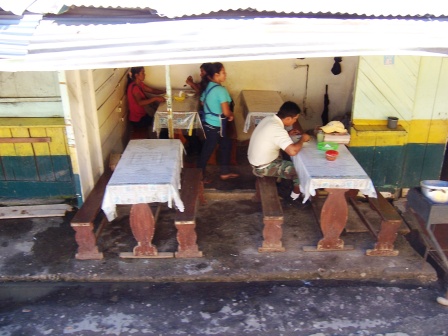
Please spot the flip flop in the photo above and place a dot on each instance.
(442, 301)
(228, 176)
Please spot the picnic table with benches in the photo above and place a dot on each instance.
(149, 171)
(344, 175)
(336, 178)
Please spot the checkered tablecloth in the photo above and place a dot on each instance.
(148, 171)
(185, 115)
(258, 104)
(316, 172)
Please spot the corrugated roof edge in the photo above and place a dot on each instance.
(257, 12)
(176, 9)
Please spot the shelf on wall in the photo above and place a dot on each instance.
(378, 128)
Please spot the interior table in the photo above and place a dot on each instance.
(336, 177)
(258, 104)
(148, 172)
(185, 114)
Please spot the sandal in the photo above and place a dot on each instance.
(228, 176)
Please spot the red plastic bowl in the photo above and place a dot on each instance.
(331, 155)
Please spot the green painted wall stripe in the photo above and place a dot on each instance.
(62, 167)
(23, 189)
(413, 165)
(433, 162)
(25, 168)
(36, 176)
(387, 167)
(2, 171)
(38, 168)
(45, 168)
(78, 189)
(8, 168)
(394, 167)
(364, 155)
(423, 162)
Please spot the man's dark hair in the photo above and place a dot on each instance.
(288, 109)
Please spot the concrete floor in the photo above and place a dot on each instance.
(229, 229)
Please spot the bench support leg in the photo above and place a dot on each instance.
(272, 235)
(143, 226)
(86, 240)
(386, 238)
(186, 236)
(333, 218)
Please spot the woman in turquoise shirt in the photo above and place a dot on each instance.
(216, 102)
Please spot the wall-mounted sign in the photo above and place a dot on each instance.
(389, 60)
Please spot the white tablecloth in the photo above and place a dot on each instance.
(148, 171)
(185, 114)
(258, 104)
(315, 171)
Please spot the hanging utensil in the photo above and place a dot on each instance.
(324, 115)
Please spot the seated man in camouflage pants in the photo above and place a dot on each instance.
(269, 137)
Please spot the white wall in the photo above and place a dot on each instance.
(30, 94)
(409, 87)
(95, 118)
(289, 77)
(110, 104)
(29, 84)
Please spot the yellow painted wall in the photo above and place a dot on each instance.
(33, 127)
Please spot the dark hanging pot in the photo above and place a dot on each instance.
(336, 69)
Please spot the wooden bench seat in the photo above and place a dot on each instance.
(266, 193)
(390, 223)
(192, 191)
(83, 221)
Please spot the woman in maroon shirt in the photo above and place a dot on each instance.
(138, 102)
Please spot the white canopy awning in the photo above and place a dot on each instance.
(58, 44)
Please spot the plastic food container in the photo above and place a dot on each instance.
(331, 155)
(327, 146)
(435, 190)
